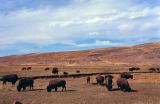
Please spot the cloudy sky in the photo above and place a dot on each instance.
(28, 26)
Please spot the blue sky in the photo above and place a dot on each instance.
(28, 26)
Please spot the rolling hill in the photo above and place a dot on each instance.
(145, 54)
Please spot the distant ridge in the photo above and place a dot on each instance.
(144, 54)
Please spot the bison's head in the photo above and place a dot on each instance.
(49, 88)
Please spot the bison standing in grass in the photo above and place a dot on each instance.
(10, 78)
(88, 80)
(25, 82)
(55, 70)
(154, 70)
(54, 84)
(24, 68)
(134, 68)
(78, 71)
(109, 82)
(29, 68)
(100, 80)
(123, 84)
(65, 73)
(126, 75)
(46, 69)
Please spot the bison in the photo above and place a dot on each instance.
(100, 80)
(65, 73)
(154, 69)
(109, 82)
(46, 69)
(55, 70)
(29, 68)
(25, 82)
(24, 68)
(123, 84)
(133, 68)
(10, 78)
(78, 71)
(54, 84)
(88, 80)
(126, 75)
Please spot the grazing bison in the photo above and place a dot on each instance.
(23, 83)
(46, 69)
(134, 68)
(65, 73)
(100, 80)
(88, 80)
(154, 69)
(109, 82)
(55, 70)
(54, 84)
(10, 78)
(123, 84)
(24, 68)
(126, 75)
(29, 68)
(77, 71)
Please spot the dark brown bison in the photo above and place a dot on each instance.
(134, 68)
(100, 80)
(54, 84)
(154, 69)
(29, 68)
(25, 82)
(46, 69)
(123, 84)
(88, 80)
(65, 73)
(55, 70)
(109, 82)
(78, 71)
(10, 78)
(24, 68)
(126, 75)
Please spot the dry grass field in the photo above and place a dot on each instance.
(146, 89)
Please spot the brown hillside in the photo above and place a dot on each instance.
(146, 54)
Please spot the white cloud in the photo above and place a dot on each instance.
(96, 43)
(82, 19)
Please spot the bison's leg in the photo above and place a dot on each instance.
(13, 83)
(32, 86)
(63, 88)
(56, 89)
(4, 82)
(24, 88)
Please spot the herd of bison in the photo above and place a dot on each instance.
(54, 84)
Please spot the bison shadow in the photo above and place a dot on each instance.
(97, 84)
(132, 90)
(64, 91)
(34, 90)
(115, 89)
